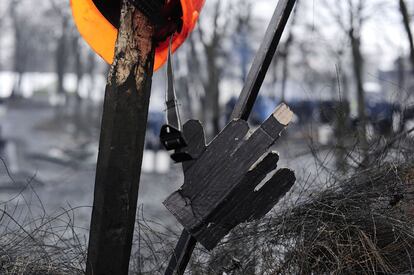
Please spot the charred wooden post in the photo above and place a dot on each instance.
(121, 145)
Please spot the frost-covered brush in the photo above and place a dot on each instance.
(223, 180)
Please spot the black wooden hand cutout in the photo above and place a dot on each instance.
(223, 181)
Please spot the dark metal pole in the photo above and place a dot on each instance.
(182, 254)
(257, 73)
(263, 59)
(121, 146)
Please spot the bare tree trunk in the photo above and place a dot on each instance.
(401, 71)
(16, 92)
(212, 90)
(193, 64)
(285, 72)
(121, 145)
(358, 64)
(185, 95)
(19, 56)
(90, 70)
(212, 83)
(286, 54)
(403, 95)
(183, 92)
(1, 27)
(341, 121)
(407, 27)
(61, 58)
(78, 65)
(78, 109)
(275, 66)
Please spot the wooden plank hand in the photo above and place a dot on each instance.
(223, 180)
(223, 183)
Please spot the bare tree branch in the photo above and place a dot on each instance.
(406, 22)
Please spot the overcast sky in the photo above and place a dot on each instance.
(383, 34)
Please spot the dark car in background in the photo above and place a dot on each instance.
(156, 119)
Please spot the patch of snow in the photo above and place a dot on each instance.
(325, 134)
(46, 82)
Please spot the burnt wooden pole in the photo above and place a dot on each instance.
(121, 145)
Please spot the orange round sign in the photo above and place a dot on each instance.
(101, 34)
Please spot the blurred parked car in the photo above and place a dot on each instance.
(155, 121)
(303, 109)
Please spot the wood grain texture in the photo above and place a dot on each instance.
(245, 205)
(121, 146)
(218, 191)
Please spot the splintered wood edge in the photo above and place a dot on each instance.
(283, 114)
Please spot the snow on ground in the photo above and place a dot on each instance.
(46, 82)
